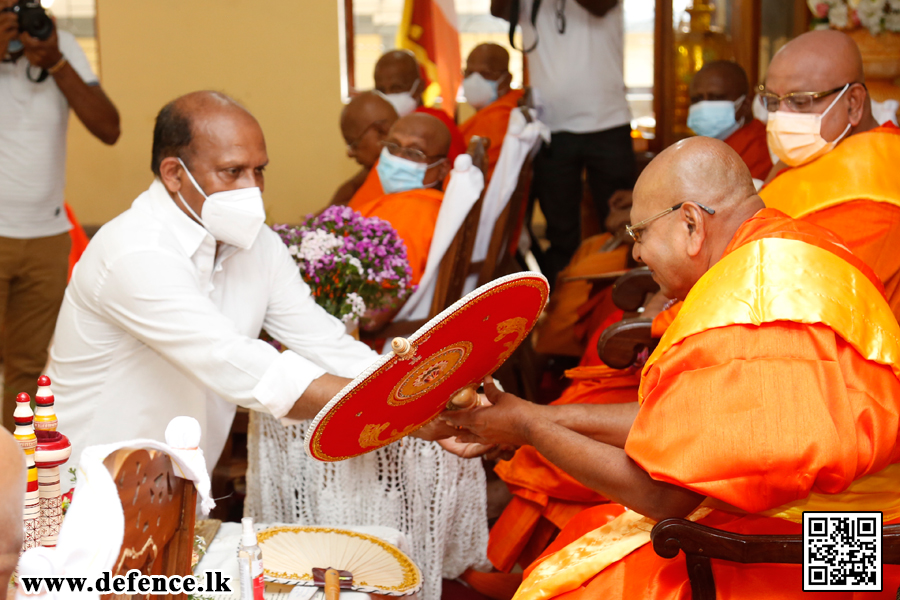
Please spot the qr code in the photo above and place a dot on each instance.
(841, 551)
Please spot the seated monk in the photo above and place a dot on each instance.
(365, 122)
(838, 168)
(411, 168)
(721, 108)
(780, 400)
(399, 78)
(486, 86)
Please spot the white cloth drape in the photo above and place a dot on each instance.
(522, 138)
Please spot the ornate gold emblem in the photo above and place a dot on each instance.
(431, 373)
(517, 326)
(370, 434)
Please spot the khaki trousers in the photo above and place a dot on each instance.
(32, 283)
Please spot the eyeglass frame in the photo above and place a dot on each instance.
(634, 231)
(763, 93)
(413, 152)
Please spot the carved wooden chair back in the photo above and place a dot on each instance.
(621, 343)
(159, 513)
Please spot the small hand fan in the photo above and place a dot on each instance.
(443, 362)
(291, 553)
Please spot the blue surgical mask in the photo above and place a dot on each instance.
(715, 118)
(400, 174)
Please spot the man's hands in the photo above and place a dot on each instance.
(9, 26)
(505, 423)
(42, 53)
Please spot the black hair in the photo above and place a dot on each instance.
(171, 135)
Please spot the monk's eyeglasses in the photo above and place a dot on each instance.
(796, 101)
(636, 230)
(355, 143)
(413, 154)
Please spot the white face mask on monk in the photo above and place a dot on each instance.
(403, 102)
(796, 138)
(233, 216)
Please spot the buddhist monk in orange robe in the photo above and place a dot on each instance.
(486, 85)
(853, 189)
(365, 122)
(415, 147)
(400, 78)
(721, 81)
(776, 389)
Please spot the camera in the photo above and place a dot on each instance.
(33, 19)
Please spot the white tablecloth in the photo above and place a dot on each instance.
(222, 556)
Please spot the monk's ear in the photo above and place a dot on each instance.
(444, 169)
(504, 84)
(858, 98)
(693, 219)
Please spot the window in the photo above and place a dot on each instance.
(78, 17)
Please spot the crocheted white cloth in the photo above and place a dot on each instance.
(438, 500)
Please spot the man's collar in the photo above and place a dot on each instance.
(188, 232)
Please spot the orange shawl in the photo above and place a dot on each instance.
(491, 122)
(750, 142)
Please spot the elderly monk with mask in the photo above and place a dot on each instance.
(774, 390)
(398, 77)
(721, 108)
(838, 168)
(365, 122)
(411, 169)
(486, 87)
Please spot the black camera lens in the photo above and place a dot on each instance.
(33, 19)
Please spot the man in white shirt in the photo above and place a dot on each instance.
(163, 313)
(576, 69)
(39, 81)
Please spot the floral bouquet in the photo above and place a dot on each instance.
(875, 15)
(353, 264)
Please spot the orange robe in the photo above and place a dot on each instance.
(750, 142)
(414, 215)
(368, 192)
(854, 191)
(491, 122)
(457, 144)
(715, 417)
(79, 239)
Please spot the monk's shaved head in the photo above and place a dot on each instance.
(428, 135)
(365, 122)
(493, 56)
(397, 71)
(819, 61)
(682, 245)
(722, 78)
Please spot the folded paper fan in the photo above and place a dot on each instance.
(447, 358)
(291, 553)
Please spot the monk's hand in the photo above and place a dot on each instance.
(466, 450)
(505, 422)
(434, 431)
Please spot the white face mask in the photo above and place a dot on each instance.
(403, 102)
(796, 138)
(233, 216)
(479, 92)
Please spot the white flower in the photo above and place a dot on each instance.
(357, 307)
(870, 13)
(355, 262)
(293, 249)
(317, 244)
(839, 16)
(892, 21)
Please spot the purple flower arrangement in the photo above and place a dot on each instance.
(352, 264)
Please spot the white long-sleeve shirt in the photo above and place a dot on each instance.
(154, 325)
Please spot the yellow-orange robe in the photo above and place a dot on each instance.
(79, 239)
(758, 402)
(491, 122)
(414, 215)
(368, 192)
(854, 191)
(750, 142)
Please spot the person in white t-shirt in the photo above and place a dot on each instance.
(575, 54)
(40, 80)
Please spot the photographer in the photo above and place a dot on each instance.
(42, 74)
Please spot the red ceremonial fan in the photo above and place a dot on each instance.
(447, 358)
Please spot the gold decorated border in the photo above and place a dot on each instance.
(531, 282)
(412, 577)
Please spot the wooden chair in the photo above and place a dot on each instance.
(621, 343)
(701, 543)
(159, 513)
(455, 265)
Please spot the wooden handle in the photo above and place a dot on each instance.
(463, 399)
(401, 346)
(332, 585)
